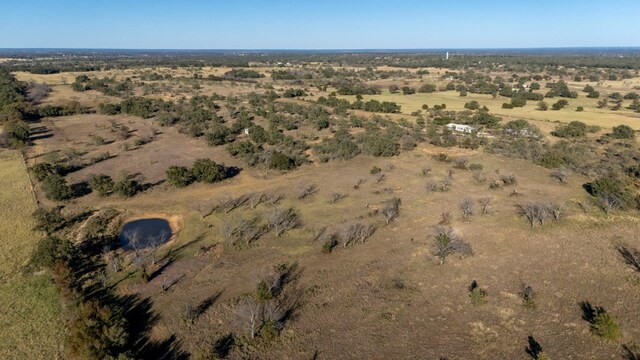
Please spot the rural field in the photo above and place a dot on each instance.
(31, 313)
(319, 206)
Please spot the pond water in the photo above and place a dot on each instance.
(145, 233)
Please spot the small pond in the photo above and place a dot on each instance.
(145, 233)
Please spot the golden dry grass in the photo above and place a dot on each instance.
(30, 321)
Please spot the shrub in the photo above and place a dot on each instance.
(571, 130)
(623, 132)
(207, 170)
(605, 326)
(102, 184)
(50, 250)
(477, 294)
(41, 171)
(280, 161)
(580, 109)
(126, 187)
(375, 170)
(55, 188)
(48, 220)
(179, 176)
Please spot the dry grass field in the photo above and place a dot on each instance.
(31, 317)
(385, 298)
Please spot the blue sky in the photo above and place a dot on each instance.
(327, 24)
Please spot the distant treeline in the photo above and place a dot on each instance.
(54, 61)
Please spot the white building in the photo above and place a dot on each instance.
(461, 128)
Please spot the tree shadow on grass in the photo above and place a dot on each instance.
(534, 349)
(630, 256)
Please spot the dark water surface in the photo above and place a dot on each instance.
(145, 233)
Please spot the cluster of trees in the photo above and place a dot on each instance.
(202, 170)
(243, 74)
(107, 86)
(341, 105)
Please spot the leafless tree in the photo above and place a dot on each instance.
(380, 178)
(447, 241)
(432, 187)
(257, 199)
(426, 170)
(205, 208)
(560, 174)
(356, 233)
(445, 184)
(335, 197)
(535, 212)
(528, 211)
(391, 209)
(134, 238)
(228, 204)
(461, 162)
(479, 177)
(304, 190)
(359, 182)
(155, 242)
(283, 220)
(445, 218)
(607, 202)
(275, 199)
(556, 211)
(243, 231)
(466, 205)
(249, 311)
(508, 179)
(38, 91)
(319, 232)
(484, 204)
(542, 213)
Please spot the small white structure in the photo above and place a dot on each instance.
(461, 128)
(246, 131)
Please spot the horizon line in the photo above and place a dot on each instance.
(326, 49)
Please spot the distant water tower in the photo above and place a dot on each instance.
(447, 58)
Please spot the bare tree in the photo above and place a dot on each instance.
(461, 162)
(426, 170)
(380, 178)
(305, 191)
(445, 218)
(557, 211)
(275, 199)
(607, 202)
(528, 211)
(257, 199)
(205, 208)
(134, 239)
(445, 184)
(508, 179)
(432, 187)
(391, 209)
(466, 205)
(359, 182)
(335, 197)
(535, 212)
(228, 204)
(484, 204)
(319, 232)
(283, 220)
(560, 174)
(248, 310)
(447, 241)
(357, 233)
(243, 231)
(479, 177)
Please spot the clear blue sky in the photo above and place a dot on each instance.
(326, 24)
